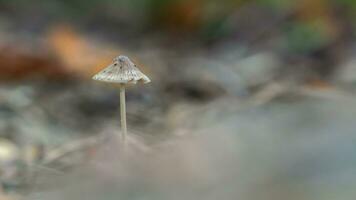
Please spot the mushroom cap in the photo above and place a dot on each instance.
(122, 70)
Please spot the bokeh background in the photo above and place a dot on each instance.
(249, 100)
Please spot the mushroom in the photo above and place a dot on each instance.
(122, 71)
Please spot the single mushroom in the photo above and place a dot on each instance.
(122, 71)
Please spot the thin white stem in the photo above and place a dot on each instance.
(123, 115)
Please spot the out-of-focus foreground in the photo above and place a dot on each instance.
(249, 100)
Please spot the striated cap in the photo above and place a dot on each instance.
(122, 70)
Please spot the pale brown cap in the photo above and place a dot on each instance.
(122, 70)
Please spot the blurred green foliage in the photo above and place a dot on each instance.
(207, 19)
(305, 37)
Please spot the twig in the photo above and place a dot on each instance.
(69, 148)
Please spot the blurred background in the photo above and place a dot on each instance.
(249, 99)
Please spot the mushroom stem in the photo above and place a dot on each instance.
(123, 115)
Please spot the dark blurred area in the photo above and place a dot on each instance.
(250, 99)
